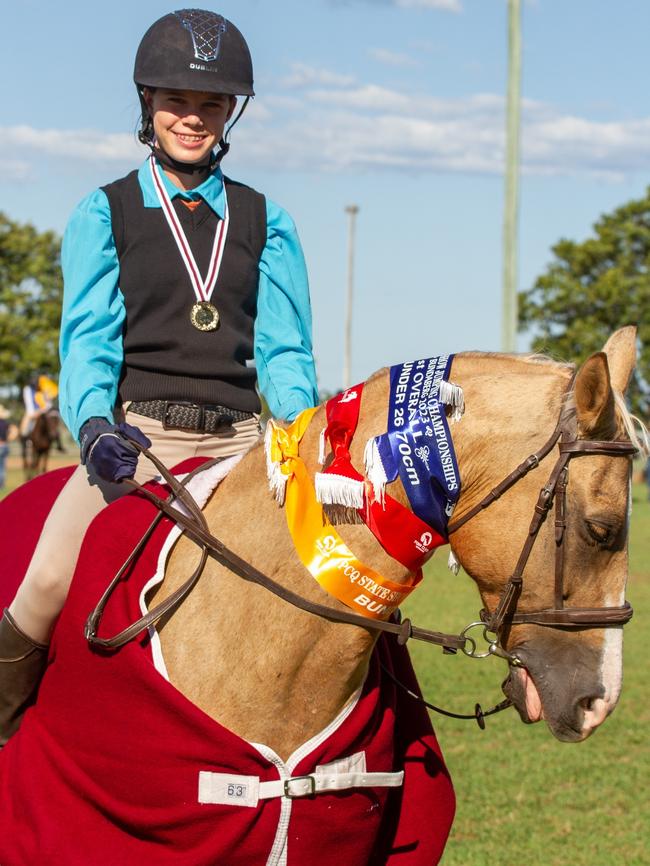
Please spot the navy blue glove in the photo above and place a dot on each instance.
(107, 448)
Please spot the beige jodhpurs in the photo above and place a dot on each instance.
(42, 593)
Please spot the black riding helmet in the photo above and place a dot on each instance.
(192, 49)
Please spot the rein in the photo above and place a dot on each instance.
(192, 521)
(194, 525)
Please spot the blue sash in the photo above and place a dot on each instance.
(418, 445)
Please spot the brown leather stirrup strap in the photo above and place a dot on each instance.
(193, 524)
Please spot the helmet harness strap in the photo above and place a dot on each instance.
(224, 144)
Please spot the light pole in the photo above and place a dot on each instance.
(511, 193)
(351, 210)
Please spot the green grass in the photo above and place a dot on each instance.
(523, 797)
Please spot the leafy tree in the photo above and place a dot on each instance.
(31, 291)
(594, 287)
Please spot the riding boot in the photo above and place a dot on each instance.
(22, 664)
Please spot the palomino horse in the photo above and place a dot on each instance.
(37, 444)
(571, 678)
(273, 674)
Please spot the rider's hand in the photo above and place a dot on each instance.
(107, 448)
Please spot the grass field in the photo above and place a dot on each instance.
(523, 797)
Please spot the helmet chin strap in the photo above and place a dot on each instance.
(185, 167)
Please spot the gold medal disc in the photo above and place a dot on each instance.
(204, 316)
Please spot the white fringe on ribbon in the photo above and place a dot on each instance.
(452, 395)
(452, 563)
(332, 489)
(375, 472)
(277, 481)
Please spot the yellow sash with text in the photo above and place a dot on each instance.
(319, 546)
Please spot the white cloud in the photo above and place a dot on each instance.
(445, 5)
(391, 58)
(369, 127)
(87, 144)
(442, 5)
(328, 122)
(303, 75)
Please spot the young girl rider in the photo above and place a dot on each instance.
(175, 277)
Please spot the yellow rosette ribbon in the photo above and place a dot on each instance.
(319, 546)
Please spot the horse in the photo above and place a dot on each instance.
(36, 445)
(273, 676)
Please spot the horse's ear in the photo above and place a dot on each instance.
(594, 399)
(621, 356)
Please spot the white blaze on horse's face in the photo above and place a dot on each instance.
(612, 661)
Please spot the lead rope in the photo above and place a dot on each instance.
(479, 715)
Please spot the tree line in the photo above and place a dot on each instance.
(589, 289)
(31, 292)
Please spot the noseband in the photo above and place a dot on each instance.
(505, 613)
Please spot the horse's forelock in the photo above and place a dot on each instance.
(633, 426)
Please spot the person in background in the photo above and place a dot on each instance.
(176, 279)
(39, 396)
(7, 433)
(35, 401)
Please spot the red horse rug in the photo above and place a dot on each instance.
(113, 766)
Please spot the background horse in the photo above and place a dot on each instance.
(36, 445)
(249, 675)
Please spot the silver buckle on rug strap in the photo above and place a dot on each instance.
(295, 795)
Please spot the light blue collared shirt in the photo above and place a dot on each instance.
(94, 314)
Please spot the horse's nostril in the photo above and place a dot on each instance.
(595, 710)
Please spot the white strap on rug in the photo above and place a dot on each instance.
(224, 789)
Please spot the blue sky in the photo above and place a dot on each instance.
(394, 105)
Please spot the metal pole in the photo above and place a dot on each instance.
(352, 210)
(511, 197)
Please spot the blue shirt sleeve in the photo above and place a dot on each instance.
(93, 315)
(283, 347)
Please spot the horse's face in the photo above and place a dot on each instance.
(572, 678)
(569, 677)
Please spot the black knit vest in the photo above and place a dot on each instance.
(165, 356)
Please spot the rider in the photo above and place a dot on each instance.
(36, 400)
(39, 397)
(175, 278)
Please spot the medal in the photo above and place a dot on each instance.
(203, 315)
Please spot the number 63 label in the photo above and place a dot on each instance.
(227, 790)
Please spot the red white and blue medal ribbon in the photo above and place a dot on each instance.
(401, 533)
(418, 446)
(202, 288)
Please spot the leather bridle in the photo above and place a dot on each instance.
(506, 613)
(193, 523)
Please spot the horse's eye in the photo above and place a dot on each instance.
(600, 532)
